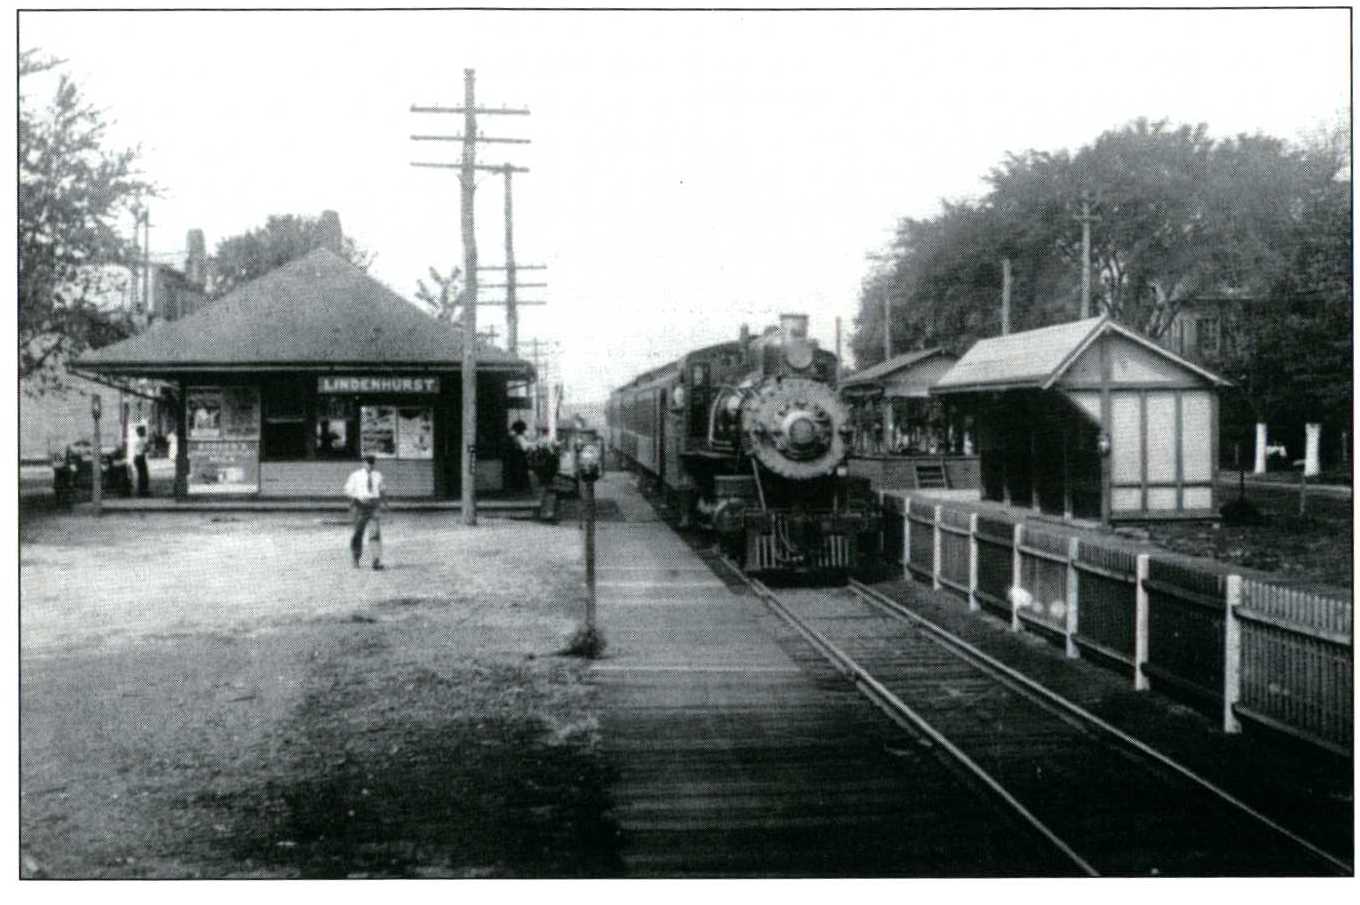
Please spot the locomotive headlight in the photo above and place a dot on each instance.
(678, 397)
(733, 405)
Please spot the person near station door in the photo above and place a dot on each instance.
(365, 491)
(519, 457)
(139, 461)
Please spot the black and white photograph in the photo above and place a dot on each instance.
(911, 445)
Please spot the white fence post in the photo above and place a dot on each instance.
(1017, 538)
(1232, 655)
(935, 554)
(1140, 626)
(1070, 636)
(906, 538)
(973, 605)
(883, 525)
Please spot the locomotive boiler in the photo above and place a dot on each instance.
(749, 439)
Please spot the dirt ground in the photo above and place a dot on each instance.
(226, 697)
(1315, 548)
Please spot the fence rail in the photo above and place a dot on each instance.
(1280, 657)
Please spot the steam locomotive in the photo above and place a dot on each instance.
(749, 439)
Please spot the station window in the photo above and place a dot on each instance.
(335, 434)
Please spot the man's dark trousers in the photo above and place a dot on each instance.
(366, 513)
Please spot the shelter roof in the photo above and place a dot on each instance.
(1039, 358)
(887, 368)
(318, 311)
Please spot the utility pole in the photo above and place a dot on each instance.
(887, 325)
(467, 178)
(838, 347)
(1085, 219)
(1005, 296)
(143, 220)
(511, 316)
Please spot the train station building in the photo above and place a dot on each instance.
(1090, 420)
(282, 386)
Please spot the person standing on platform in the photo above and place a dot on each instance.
(365, 491)
(139, 461)
(519, 457)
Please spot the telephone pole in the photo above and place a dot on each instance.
(1085, 219)
(1005, 296)
(467, 179)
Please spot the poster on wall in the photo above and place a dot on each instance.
(205, 413)
(241, 413)
(415, 433)
(223, 466)
(378, 431)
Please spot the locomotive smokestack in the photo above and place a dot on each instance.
(793, 326)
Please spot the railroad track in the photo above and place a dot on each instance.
(1105, 802)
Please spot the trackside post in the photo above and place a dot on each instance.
(1232, 655)
(973, 605)
(1070, 635)
(935, 552)
(1140, 625)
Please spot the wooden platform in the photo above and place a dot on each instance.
(739, 754)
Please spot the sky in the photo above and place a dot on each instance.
(689, 171)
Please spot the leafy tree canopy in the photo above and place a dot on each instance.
(283, 238)
(1250, 229)
(73, 192)
(1181, 217)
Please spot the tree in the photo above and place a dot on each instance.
(283, 238)
(1292, 349)
(447, 301)
(1181, 217)
(72, 193)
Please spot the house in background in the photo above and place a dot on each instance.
(151, 294)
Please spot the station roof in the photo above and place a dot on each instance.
(1037, 359)
(884, 369)
(318, 312)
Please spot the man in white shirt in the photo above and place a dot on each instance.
(365, 491)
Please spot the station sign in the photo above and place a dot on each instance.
(359, 384)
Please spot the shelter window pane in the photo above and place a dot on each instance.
(1196, 442)
(1126, 437)
(1126, 499)
(1162, 498)
(1198, 498)
(1161, 436)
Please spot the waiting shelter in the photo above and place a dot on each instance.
(283, 385)
(1090, 420)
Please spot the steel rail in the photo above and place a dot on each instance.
(1013, 677)
(882, 697)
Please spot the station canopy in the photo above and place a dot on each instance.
(898, 377)
(319, 312)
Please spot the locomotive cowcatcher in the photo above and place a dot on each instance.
(749, 439)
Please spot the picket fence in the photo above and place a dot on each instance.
(1277, 656)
